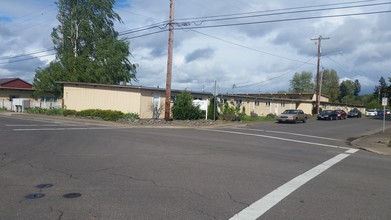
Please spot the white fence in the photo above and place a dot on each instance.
(14, 105)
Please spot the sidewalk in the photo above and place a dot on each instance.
(377, 142)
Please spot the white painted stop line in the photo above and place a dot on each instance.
(261, 206)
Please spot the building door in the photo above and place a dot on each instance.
(156, 109)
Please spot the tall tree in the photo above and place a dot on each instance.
(302, 83)
(381, 89)
(347, 89)
(357, 88)
(330, 84)
(88, 48)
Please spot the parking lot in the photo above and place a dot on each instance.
(56, 169)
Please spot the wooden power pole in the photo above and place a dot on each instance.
(318, 75)
(169, 62)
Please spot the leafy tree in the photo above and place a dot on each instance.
(88, 48)
(330, 84)
(346, 88)
(302, 83)
(357, 88)
(183, 108)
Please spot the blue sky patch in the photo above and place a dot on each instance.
(5, 19)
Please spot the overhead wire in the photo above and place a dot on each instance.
(163, 25)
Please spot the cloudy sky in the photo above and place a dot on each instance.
(246, 46)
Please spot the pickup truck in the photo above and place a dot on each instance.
(292, 115)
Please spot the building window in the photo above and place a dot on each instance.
(267, 103)
(282, 104)
(256, 103)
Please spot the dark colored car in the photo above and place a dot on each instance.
(354, 113)
(341, 114)
(327, 115)
(381, 112)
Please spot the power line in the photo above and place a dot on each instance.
(290, 19)
(249, 48)
(273, 78)
(163, 25)
(27, 54)
(30, 58)
(281, 9)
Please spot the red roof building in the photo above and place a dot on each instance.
(15, 83)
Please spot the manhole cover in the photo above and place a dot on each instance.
(71, 195)
(35, 196)
(44, 186)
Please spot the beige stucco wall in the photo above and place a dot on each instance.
(147, 103)
(81, 98)
(266, 107)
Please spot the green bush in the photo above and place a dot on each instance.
(55, 111)
(132, 116)
(3, 109)
(107, 115)
(183, 108)
(67, 112)
(233, 113)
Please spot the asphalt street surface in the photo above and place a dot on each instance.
(71, 170)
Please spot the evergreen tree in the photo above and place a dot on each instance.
(88, 48)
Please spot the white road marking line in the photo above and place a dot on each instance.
(352, 151)
(278, 138)
(66, 129)
(261, 206)
(296, 134)
(41, 125)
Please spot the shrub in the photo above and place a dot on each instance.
(132, 116)
(271, 115)
(107, 115)
(232, 113)
(54, 111)
(183, 108)
(67, 112)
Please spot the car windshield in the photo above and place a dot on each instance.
(326, 112)
(290, 112)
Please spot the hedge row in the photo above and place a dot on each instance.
(107, 115)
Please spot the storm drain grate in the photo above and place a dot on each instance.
(44, 186)
(71, 195)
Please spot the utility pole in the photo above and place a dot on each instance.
(169, 62)
(318, 76)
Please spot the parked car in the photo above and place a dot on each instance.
(341, 114)
(292, 115)
(382, 112)
(354, 113)
(327, 115)
(371, 112)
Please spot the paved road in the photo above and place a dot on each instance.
(266, 171)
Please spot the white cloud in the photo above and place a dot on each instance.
(265, 54)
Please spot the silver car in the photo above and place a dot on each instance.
(292, 115)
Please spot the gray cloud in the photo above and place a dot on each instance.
(238, 55)
(199, 54)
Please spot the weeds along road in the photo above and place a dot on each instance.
(73, 170)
